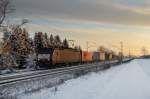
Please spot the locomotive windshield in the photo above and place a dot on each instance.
(43, 56)
(44, 53)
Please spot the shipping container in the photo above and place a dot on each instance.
(106, 56)
(66, 56)
(86, 56)
(115, 57)
(102, 56)
(110, 56)
(96, 56)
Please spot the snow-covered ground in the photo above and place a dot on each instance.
(128, 81)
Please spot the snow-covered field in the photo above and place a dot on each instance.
(128, 81)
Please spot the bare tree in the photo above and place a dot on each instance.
(101, 48)
(144, 51)
(5, 8)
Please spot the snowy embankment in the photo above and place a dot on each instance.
(128, 81)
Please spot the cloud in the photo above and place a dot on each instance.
(99, 11)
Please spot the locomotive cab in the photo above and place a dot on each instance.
(44, 57)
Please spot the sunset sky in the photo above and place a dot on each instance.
(105, 22)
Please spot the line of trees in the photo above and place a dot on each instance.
(42, 40)
(21, 44)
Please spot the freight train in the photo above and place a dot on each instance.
(53, 57)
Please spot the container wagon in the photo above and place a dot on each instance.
(96, 56)
(102, 56)
(66, 56)
(86, 57)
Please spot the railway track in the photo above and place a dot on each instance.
(10, 79)
(20, 77)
